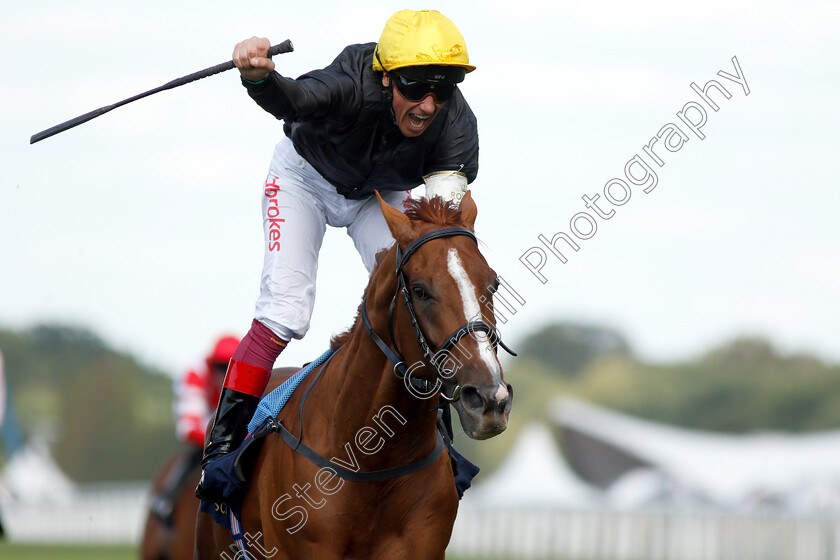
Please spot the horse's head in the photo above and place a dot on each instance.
(447, 289)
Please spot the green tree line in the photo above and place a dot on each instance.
(744, 385)
(107, 416)
(110, 416)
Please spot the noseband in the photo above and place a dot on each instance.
(435, 358)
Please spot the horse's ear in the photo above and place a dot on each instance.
(399, 224)
(468, 211)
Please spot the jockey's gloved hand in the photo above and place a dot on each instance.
(449, 185)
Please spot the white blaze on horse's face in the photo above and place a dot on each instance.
(472, 312)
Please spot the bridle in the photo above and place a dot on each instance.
(425, 387)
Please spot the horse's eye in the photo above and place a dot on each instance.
(419, 293)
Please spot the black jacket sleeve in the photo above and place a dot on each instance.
(321, 94)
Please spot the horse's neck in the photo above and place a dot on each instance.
(370, 386)
(370, 397)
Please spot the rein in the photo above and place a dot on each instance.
(426, 387)
(272, 425)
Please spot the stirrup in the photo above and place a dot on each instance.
(163, 509)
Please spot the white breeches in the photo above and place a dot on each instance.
(297, 205)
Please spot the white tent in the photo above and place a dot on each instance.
(533, 474)
(786, 471)
(31, 475)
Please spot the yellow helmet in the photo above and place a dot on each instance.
(422, 39)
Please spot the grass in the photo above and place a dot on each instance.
(66, 552)
(80, 552)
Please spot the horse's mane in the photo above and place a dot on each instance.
(433, 211)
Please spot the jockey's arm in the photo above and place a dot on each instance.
(316, 94)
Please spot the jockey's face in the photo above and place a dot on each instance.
(413, 117)
(218, 371)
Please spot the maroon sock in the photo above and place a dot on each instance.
(260, 347)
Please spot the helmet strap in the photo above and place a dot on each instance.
(387, 92)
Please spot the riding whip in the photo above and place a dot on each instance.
(284, 47)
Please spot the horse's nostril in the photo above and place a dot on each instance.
(471, 397)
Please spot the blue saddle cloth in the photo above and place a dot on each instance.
(222, 474)
(228, 473)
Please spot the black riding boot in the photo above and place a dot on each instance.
(163, 503)
(230, 426)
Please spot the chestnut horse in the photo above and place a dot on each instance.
(375, 416)
(172, 539)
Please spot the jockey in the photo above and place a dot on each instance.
(196, 395)
(384, 116)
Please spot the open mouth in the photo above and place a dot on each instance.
(418, 121)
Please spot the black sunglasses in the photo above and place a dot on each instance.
(416, 91)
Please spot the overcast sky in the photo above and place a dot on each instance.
(143, 225)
